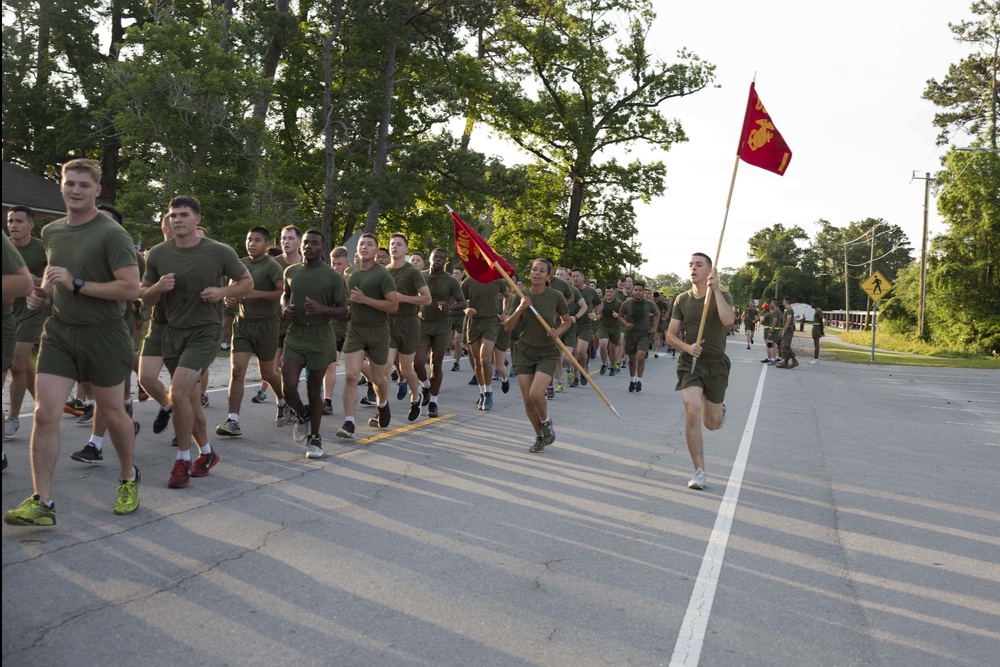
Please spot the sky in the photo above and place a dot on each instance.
(842, 83)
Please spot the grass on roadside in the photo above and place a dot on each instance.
(837, 352)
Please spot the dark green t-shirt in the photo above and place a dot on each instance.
(319, 282)
(789, 313)
(375, 282)
(563, 287)
(33, 255)
(688, 309)
(12, 261)
(207, 264)
(608, 320)
(92, 251)
(266, 273)
(639, 313)
(550, 304)
(817, 321)
(483, 296)
(408, 281)
(749, 316)
(443, 287)
(592, 298)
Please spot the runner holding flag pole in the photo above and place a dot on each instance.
(761, 145)
(482, 263)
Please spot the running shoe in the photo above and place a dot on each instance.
(487, 401)
(638, 386)
(611, 373)
(231, 427)
(559, 387)
(394, 376)
(473, 381)
(549, 393)
(538, 446)
(583, 379)
(698, 481)
(631, 386)
(281, 416)
(204, 400)
(301, 429)
(414, 411)
(74, 407)
(367, 401)
(425, 396)
(505, 385)
(656, 355)
(346, 431)
(11, 427)
(32, 512)
(161, 421)
(180, 475)
(87, 417)
(204, 463)
(479, 401)
(89, 454)
(814, 362)
(593, 354)
(314, 447)
(575, 383)
(455, 367)
(327, 406)
(143, 396)
(548, 432)
(404, 387)
(496, 374)
(432, 409)
(259, 397)
(128, 494)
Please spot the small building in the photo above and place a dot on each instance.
(23, 187)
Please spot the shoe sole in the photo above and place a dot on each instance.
(228, 434)
(341, 433)
(87, 461)
(314, 456)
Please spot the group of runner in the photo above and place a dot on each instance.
(297, 312)
(777, 320)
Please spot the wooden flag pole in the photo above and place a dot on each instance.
(715, 265)
(545, 324)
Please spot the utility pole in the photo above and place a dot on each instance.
(847, 295)
(922, 311)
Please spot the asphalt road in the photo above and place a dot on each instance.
(851, 518)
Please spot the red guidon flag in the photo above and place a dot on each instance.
(760, 142)
(478, 258)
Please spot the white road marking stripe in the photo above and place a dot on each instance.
(687, 650)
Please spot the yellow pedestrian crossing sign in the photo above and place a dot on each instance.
(876, 286)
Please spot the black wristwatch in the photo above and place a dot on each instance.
(77, 285)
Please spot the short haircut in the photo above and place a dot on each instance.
(113, 212)
(622, 279)
(400, 235)
(84, 165)
(260, 230)
(385, 250)
(613, 287)
(292, 228)
(788, 299)
(701, 254)
(339, 251)
(577, 269)
(313, 230)
(440, 250)
(369, 235)
(634, 285)
(185, 200)
(416, 254)
(20, 208)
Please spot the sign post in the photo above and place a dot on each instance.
(875, 286)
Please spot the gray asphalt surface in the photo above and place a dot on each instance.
(866, 533)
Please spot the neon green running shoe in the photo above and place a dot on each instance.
(32, 512)
(128, 494)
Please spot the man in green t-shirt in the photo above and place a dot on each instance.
(435, 327)
(702, 384)
(404, 324)
(482, 326)
(315, 294)
(788, 359)
(457, 325)
(750, 321)
(817, 331)
(639, 316)
(91, 277)
(185, 276)
(255, 330)
(17, 284)
(609, 329)
(584, 324)
(372, 296)
(20, 223)
(290, 241)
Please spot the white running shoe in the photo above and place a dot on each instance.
(698, 481)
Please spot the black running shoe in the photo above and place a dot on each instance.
(638, 386)
(161, 421)
(631, 386)
(425, 396)
(432, 409)
(414, 411)
(89, 454)
(505, 385)
(473, 381)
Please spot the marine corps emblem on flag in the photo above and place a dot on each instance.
(761, 144)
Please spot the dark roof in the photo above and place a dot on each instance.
(26, 188)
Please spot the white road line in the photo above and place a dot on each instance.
(992, 444)
(942, 407)
(977, 425)
(691, 638)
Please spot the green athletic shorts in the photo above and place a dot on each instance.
(195, 348)
(313, 346)
(710, 373)
(584, 329)
(486, 328)
(458, 322)
(404, 333)
(259, 337)
(101, 353)
(373, 340)
(531, 360)
(152, 344)
(636, 341)
(569, 337)
(612, 334)
(29, 324)
(436, 336)
(503, 340)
